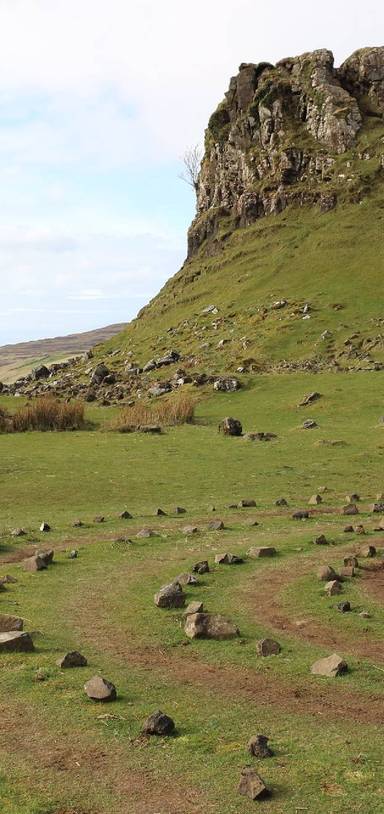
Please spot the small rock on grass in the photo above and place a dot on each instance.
(170, 596)
(159, 724)
(100, 689)
(333, 587)
(331, 667)
(186, 579)
(18, 532)
(189, 530)
(45, 526)
(201, 567)
(258, 746)
(73, 555)
(72, 659)
(145, 533)
(367, 551)
(8, 623)
(262, 551)
(15, 641)
(321, 540)
(125, 515)
(268, 647)
(228, 559)
(325, 573)
(216, 525)
(252, 785)
(210, 626)
(99, 518)
(344, 607)
(35, 563)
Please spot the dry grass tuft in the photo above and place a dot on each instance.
(44, 414)
(164, 413)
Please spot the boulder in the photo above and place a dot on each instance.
(77, 524)
(189, 530)
(310, 398)
(344, 607)
(210, 626)
(258, 746)
(350, 509)
(170, 596)
(246, 504)
(160, 513)
(41, 372)
(47, 556)
(331, 666)
(99, 518)
(321, 540)
(300, 515)
(125, 515)
(309, 424)
(353, 498)
(35, 563)
(186, 579)
(262, 551)
(201, 567)
(314, 500)
(15, 641)
(73, 555)
(252, 785)
(72, 659)
(228, 559)
(259, 436)
(268, 647)
(216, 525)
(18, 532)
(145, 533)
(231, 426)
(281, 501)
(348, 529)
(351, 560)
(229, 385)
(194, 607)
(99, 374)
(179, 510)
(159, 724)
(333, 587)
(367, 551)
(359, 529)
(100, 689)
(377, 508)
(325, 573)
(8, 623)
(45, 526)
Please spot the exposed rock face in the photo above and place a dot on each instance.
(275, 138)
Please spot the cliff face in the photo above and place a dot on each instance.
(294, 133)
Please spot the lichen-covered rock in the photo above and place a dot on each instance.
(210, 626)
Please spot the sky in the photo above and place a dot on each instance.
(99, 99)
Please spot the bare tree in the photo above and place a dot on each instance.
(192, 160)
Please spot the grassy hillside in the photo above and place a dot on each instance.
(334, 262)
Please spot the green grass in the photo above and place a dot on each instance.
(102, 604)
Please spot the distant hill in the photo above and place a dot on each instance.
(18, 360)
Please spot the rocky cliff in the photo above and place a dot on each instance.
(298, 132)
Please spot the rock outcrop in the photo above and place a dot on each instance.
(276, 137)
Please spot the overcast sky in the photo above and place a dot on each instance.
(98, 101)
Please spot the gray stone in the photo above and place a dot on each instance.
(268, 647)
(35, 563)
(194, 607)
(258, 746)
(326, 573)
(331, 666)
(333, 587)
(210, 626)
(228, 559)
(201, 567)
(231, 426)
(72, 659)
(45, 526)
(170, 596)
(100, 689)
(262, 551)
(8, 623)
(252, 785)
(159, 724)
(15, 641)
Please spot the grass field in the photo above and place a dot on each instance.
(61, 754)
